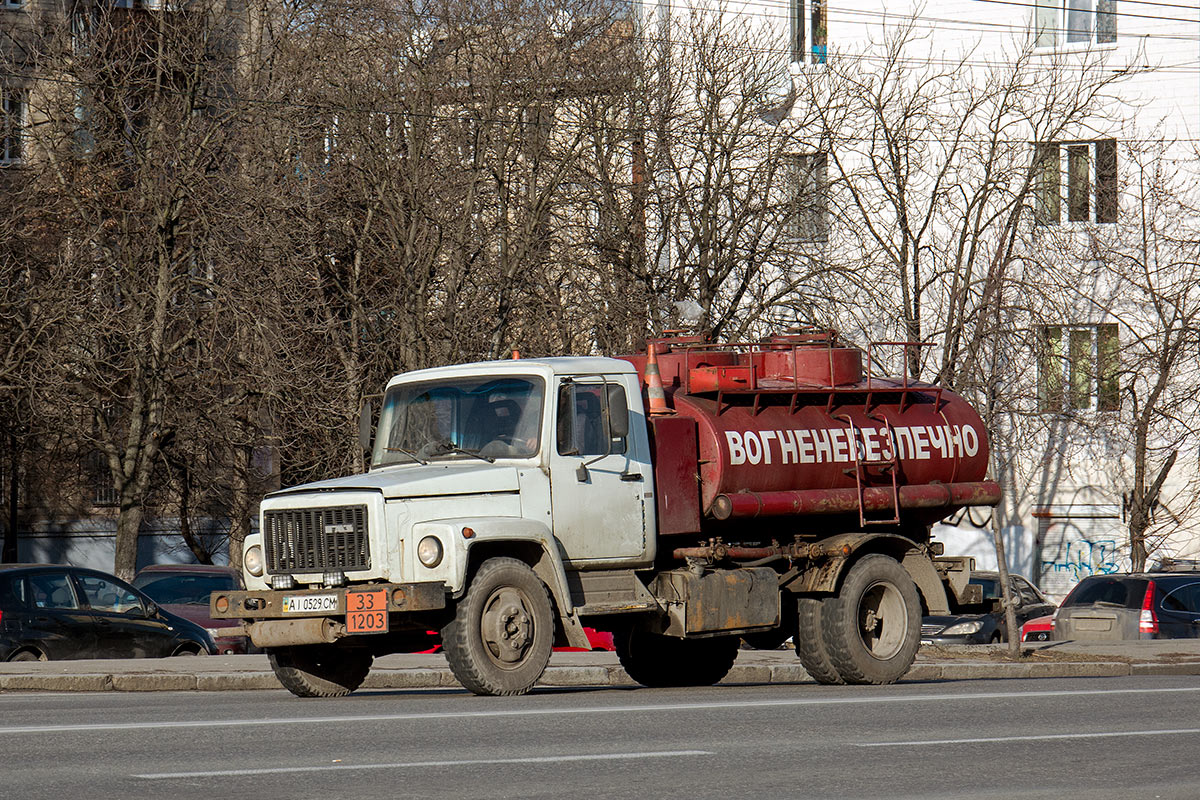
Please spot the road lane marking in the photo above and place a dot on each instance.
(1031, 738)
(576, 711)
(234, 773)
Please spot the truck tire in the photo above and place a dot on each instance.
(873, 627)
(810, 642)
(502, 633)
(320, 670)
(659, 661)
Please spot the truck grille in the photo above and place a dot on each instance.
(317, 539)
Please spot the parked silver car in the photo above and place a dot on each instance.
(1146, 605)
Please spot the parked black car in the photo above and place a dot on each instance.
(1145, 605)
(184, 590)
(983, 623)
(50, 612)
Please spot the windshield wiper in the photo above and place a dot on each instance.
(447, 448)
(408, 453)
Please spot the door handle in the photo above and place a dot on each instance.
(632, 477)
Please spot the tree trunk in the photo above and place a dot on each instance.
(129, 524)
(240, 506)
(1006, 593)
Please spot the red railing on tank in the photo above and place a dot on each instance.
(749, 378)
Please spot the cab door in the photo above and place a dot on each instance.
(601, 479)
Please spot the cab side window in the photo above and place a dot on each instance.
(583, 420)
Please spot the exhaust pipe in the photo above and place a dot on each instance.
(291, 632)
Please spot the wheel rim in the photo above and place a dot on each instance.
(882, 620)
(507, 627)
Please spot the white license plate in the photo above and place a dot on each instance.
(309, 603)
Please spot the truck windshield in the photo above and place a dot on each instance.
(460, 418)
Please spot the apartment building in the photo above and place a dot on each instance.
(1098, 364)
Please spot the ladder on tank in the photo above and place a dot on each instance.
(890, 465)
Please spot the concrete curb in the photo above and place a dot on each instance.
(590, 676)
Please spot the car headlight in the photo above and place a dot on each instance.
(429, 551)
(963, 628)
(253, 561)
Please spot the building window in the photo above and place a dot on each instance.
(1074, 22)
(809, 41)
(1080, 176)
(15, 107)
(808, 197)
(99, 480)
(1077, 368)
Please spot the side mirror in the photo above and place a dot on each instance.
(618, 412)
(365, 415)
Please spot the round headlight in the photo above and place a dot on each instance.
(253, 561)
(963, 628)
(429, 551)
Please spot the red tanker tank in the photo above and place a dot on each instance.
(793, 426)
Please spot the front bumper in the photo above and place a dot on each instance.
(259, 605)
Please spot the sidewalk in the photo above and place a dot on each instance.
(601, 669)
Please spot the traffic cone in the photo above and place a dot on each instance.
(654, 388)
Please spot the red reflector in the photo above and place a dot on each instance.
(1148, 621)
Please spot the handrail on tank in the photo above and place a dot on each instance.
(794, 339)
(905, 386)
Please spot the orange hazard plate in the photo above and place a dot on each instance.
(366, 612)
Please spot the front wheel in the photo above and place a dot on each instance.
(873, 627)
(653, 659)
(500, 639)
(320, 670)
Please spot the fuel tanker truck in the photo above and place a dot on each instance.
(683, 498)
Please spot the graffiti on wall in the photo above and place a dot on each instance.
(1083, 558)
(1074, 547)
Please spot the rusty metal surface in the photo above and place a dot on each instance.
(291, 632)
(719, 601)
(845, 501)
(676, 480)
(269, 604)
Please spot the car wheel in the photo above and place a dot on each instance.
(872, 628)
(28, 655)
(502, 634)
(187, 650)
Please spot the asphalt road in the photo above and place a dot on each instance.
(1135, 737)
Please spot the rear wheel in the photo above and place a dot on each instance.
(320, 670)
(500, 639)
(655, 660)
(27, 655)
(873, 627)
(810, 642)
